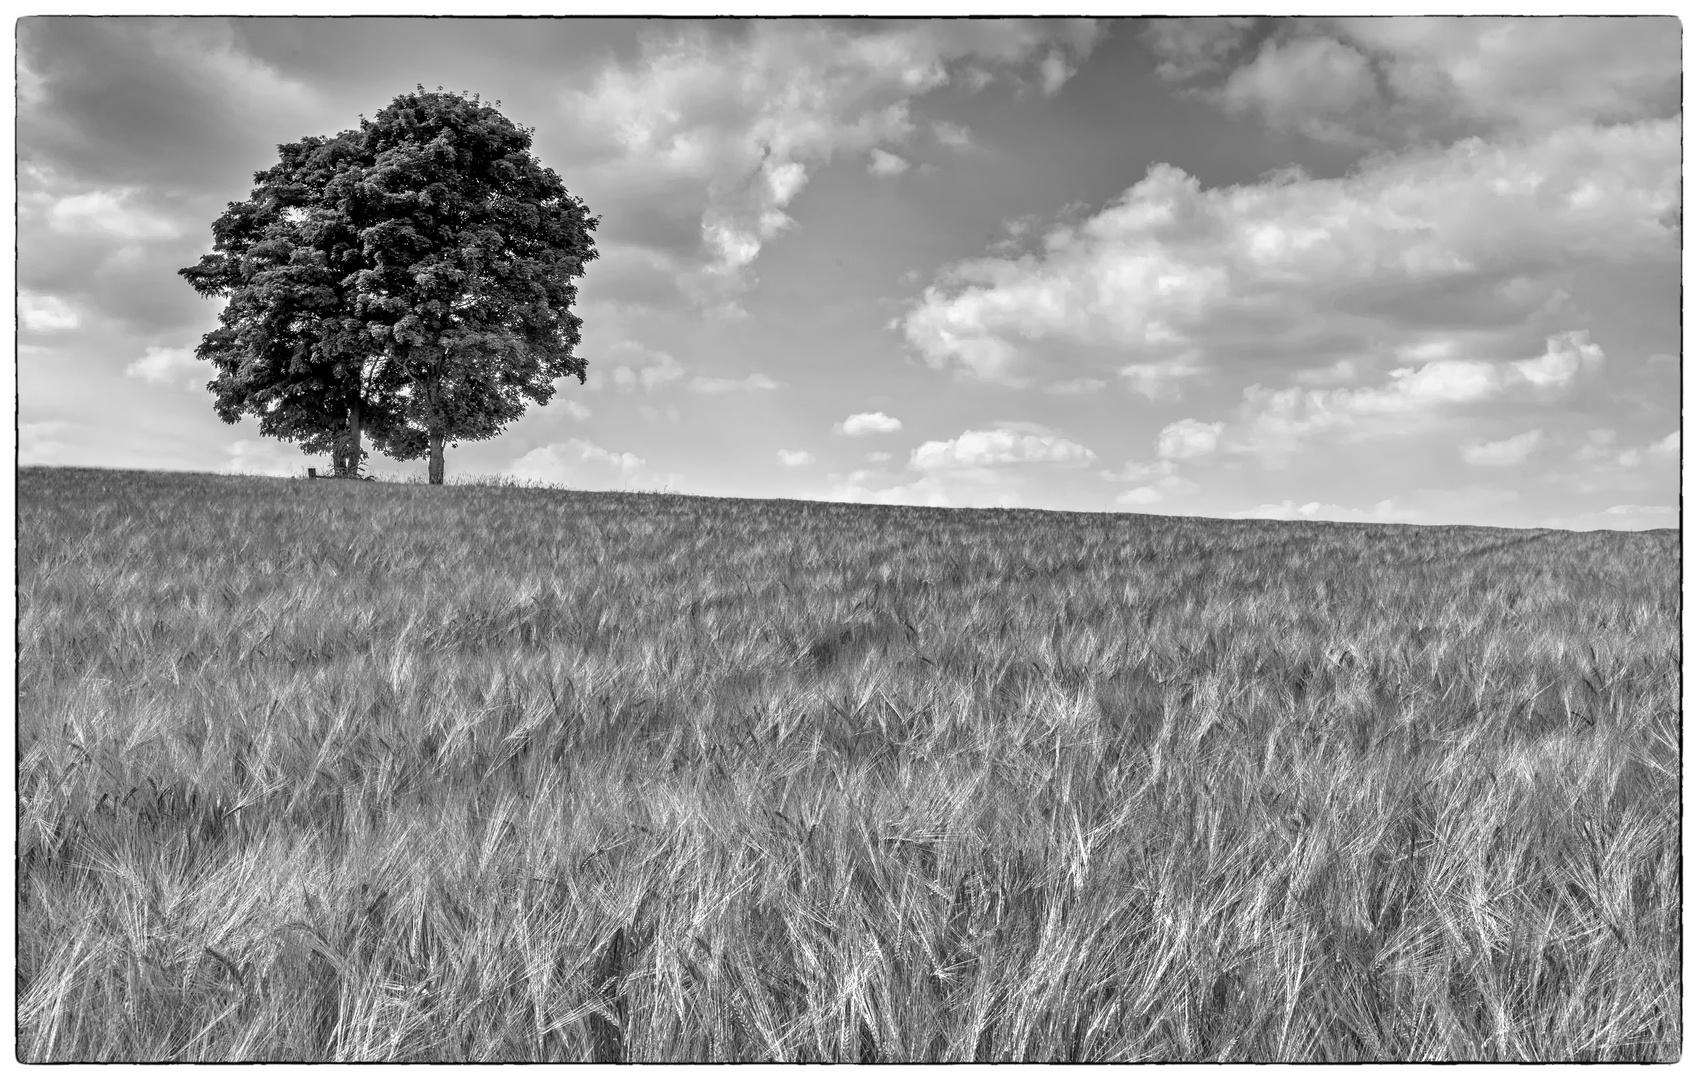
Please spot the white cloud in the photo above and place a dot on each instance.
(879, 455)
(869, 423)
(703, 384)
(1630, 508)
(654, 414)
(999, 446)
(1625, 516)
(795, 458)
(1272, 424)
(1075, 386)
(166, 365)
(45, 442)
(953, 136)
(1310, 84)
(1156, 492)
(1188, 48)
(1185, 439)
(108, 213)
(1171, 280)
(264, 457)
(1511, 451)
(1414, 79)
(884, 163)
(1526, 74)
(578, 464)
(1291, 510)
(576, 409)
(726, 128)
(654, 371)
(45, 314)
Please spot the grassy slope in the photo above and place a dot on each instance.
(371, 771)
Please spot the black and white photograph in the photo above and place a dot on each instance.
(742, 538)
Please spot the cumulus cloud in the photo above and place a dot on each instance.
(264, 457)
(110, 214)
(703, 384)
(795, 458)
(954, 136)
(1376, 80)
(46, 314)
(998, 446)
(166, 365)
(1188, 438)
(1082, 385)
(1315, 85)
(1511, 451)
(1273, 424)
(884, 163)
(1291, 510)
(577, 410)
(978, 487)
(1156, 492)
(652, 371)
(869, 423)
(576, 463)
(1172, 280)
(726, 129)
(45, 442)
(1188, 48)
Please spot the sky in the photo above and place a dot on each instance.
(1415, 270)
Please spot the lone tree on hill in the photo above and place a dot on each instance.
(412, 280)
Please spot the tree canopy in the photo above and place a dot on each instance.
(412, 279)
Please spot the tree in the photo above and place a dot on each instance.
(412, 280)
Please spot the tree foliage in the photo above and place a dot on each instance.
(412, 279)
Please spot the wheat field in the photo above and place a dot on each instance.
(374, 772)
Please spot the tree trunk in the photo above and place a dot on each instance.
(436, 441)
(354, 453)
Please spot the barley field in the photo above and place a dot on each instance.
(373, 772)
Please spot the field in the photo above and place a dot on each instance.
(338, 771)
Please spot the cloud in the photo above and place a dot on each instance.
(1273, 424)
(1188, 48)
(878, 455)
(1624, 516)
(264, 457)
(654, 414)
(1083, 385)
(1171, 281)
(109, 214)
(163, 365)
(1156, 492)
(978, 487)
(954, 136)
(576, 463)
(1311, 84)
(1511, 451)
(1600, 449)
(725, 129)
(703, 384)
(999, 446)
(1291, 510)
(655, 370)
(884, 163)
(1397, 80)
(869, 423)
(576, 409)
(1185, 439)
(46, 314)
(45, 442)
(795, 458)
